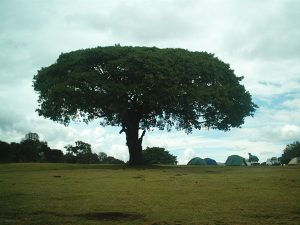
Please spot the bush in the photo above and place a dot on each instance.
(156, 155)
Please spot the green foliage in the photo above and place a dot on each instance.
(112, 160)
(102, 156)
(290, 151)
(32, 150)
(157, 155)
(105, 159)
(79, 148)
(165, 87)
(70, 158)
(5, 155)
(15, 149)
(139, 88)
(80, 153)
(53, 156)
(32, 136)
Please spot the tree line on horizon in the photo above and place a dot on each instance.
(31, 149)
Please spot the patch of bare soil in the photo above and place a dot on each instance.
(114, 216)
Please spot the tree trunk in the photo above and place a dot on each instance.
(133, 141)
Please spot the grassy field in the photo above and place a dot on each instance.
(98, 194)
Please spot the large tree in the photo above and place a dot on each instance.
(137, 88)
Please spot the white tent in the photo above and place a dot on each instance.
(295, 161)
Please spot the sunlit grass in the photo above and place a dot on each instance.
(102, 194)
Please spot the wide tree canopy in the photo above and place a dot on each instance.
(139, 88)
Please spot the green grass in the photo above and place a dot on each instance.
(57, 194)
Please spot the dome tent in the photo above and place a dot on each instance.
(210, 162)
(235, 160)
(196, 161)
(295, 161)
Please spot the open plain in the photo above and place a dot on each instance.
(65, 194)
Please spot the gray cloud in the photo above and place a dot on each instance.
(7, 119)
(267, 30)
(138, 21)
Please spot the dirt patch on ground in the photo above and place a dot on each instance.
(213, 171)
(138, 177)
(178, 175)
(98, 216)
(113, 216)
(166, 223)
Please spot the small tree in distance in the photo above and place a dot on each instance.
(80, 153)
(102, 157)
(32, 136)
(31, 149)
(138, 88)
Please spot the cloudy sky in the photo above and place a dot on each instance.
(259, 39)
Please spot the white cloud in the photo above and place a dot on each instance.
(293, 104)
(187, 155)
(266, 79)
(119, 151)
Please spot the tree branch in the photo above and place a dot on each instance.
(142, 136)
(124, 129)
(121, 131)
